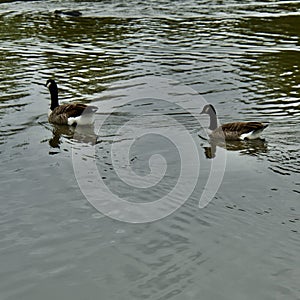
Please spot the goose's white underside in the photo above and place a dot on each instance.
(252, 135)
(86, 119)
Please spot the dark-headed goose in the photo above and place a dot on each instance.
(68, 114)
(232, 131)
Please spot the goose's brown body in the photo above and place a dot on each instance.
(236, 130)
(62, 113)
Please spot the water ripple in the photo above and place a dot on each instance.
(242, 56)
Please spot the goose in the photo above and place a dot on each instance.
(68, 114)
(232, 131)
(70, 13)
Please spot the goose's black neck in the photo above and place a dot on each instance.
(213, 120)
(54, 97)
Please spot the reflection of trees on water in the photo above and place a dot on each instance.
(272, 66)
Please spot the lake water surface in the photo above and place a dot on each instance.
(149, 66)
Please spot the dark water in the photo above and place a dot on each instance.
(243, 57)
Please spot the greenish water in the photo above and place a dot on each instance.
(242, 56)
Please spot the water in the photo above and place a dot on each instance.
(243, 57)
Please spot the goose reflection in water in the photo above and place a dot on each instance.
(250, 147)
(81, 134)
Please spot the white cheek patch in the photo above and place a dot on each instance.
(48, 84)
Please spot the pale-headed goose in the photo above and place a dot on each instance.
(232, 131)
(68, 114)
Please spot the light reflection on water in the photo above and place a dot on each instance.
(241, 56)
